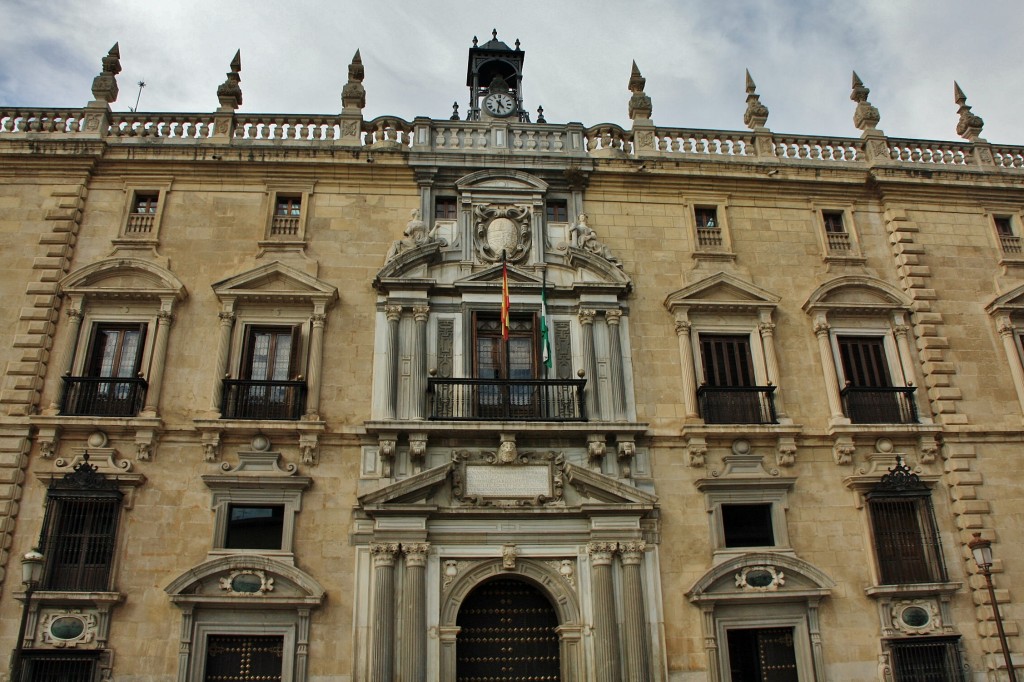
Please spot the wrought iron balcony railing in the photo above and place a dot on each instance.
(248, 399)
(894, 405)
(737, 404)
(507, 400)
(102, 397)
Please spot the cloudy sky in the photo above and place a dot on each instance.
(692, 52)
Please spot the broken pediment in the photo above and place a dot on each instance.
(246, 581)
(856, 293)
(721, 291)
(275, 283)
(493, 275)
(124, 278)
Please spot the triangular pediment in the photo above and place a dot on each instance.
(721, 291)
(275, 282)
(492, 274)
(856, 294)
(1011, 302)
(124, 278)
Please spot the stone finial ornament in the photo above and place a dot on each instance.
(756, 114)
(639, 104)
(104, 86)
(230, 92)
(969, 126)
(353, 95)
(865, 117)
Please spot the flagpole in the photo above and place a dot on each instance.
(506, 316)
(544, 320)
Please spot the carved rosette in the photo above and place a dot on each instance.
(502, 230)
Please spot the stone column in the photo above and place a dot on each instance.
(383, 613)
(157, 363)
(67, 357)
(613, 317)
(606, 636)
(771, 361)
(227, 323)
(634, 621)
(828, 368)
(421, 314)
(902, 332)
(586, 318)
(1008, 333)
(412, 665)
(686, 365)
(394, 315)
(314, 378)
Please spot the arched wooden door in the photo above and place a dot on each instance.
(507, 634)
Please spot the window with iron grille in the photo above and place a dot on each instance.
(80, 531)
(59, 667)
(932, 659)
(903, 529)
(445, 208)
(558, 211)
(762, 655)
(244, 658)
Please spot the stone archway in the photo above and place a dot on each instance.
(507, 630)
(544, 581)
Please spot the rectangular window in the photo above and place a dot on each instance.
(926, 660)
(78, 541)
(270, 353)
(490, 358)
(835, 231)
(142, 214)
(1009, 240)
(906, 539)
(706, 217)
(726, 360)
(445, 208)
(748, 525)
(287, 214)
(270, 384)
(729, 393)
(116, 350)
(254, 526)
(59, 667)
(863, 359)
(244, 658)
(145, 203)
(111, 385)
(558, 211)
(762, 655)
(869, 396)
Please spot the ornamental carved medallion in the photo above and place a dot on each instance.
(502, 229)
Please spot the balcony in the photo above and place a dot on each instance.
(737, 404)
(274, 400)
(506, 400)
(880, 405)
(102, 397)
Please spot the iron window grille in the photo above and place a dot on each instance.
(80, 530)
(59, 667)
(906, 537)
(869, 396)
(932, 659)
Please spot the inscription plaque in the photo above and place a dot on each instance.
(508, 482)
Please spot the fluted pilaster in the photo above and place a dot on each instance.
(394, 316)
(227, 323)
(383, 614)
(316, 364)
(156, 372)
(586, 318)
(419, 378)
(683, 328)
(828, 369)
(412, 666)
(634, 617)
(606, 639)
(613, 317)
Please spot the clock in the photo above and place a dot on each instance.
(499, 104)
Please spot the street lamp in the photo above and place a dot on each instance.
(982, 551)
(31, 574)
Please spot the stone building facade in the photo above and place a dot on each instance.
(265, 416)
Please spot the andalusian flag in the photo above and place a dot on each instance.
(545, 344)
(504, 300)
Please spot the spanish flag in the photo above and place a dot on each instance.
(504, 300)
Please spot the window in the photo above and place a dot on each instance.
(748, 525)
(706, 217)
(244, 658)
(271, 385)
(141, 218)
(79, 533)
(869, 396)
(906, 539)
(445, 208)
(115, 354)
(926, 659)
(59, 666)
(254, 527)
(729, 394)
(557, 211)
(835, 231)
(762, 655)
(491, 360)
(1009, 239)
(287, 215)
(709, 233)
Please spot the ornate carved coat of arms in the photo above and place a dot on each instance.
(502, 229)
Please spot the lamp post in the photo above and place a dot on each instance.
(31, 573)
(982, 551)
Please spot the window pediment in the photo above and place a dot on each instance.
(721, 292)
(737, 580)
(1012, 302)
(125, 278)
(503, 181)
(275, 283)
(856, 294)
(245, 581)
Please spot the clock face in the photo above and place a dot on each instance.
(499, 104)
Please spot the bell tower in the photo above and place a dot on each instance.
(495, 79)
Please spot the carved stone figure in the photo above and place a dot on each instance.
(502, 231)
(416, 234)
(582, 236)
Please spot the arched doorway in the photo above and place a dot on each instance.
(507, 634)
